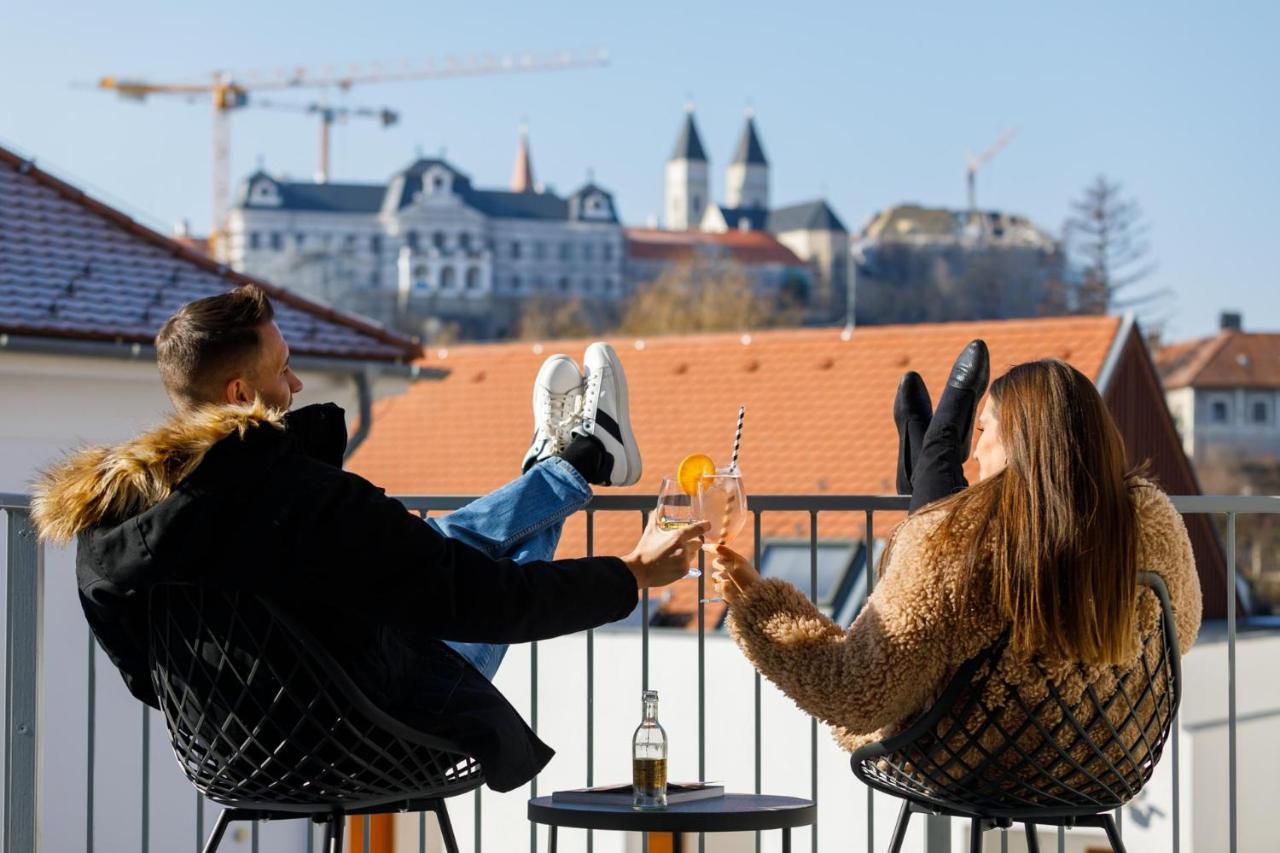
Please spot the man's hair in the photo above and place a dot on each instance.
(202, 347)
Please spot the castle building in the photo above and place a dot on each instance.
(428, 246)
(810, 231)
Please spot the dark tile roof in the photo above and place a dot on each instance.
(749, 148)
(755, 217)
(335, 198)
(73, 267)
(688, 143)
(508, 205)
(807, 216)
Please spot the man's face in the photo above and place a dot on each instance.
(267, 374)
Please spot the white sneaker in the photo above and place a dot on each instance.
(606, 415)
(557, 400)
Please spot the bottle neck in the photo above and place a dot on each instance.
(651, 709)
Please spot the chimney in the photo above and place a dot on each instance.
(1230, 321)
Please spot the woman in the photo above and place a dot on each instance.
(1047, 545)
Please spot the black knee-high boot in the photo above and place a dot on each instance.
(939, 470)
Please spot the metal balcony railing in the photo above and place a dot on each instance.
(25, 668)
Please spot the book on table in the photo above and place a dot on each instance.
(621, 795)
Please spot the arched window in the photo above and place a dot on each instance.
(473, 278)
(447, 278)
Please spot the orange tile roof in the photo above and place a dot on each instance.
(745, 247)
(1230, 359)
(818, 413)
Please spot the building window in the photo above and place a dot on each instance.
(1261, 412)
(1219, 412)
(566, 251)
(375, 244)
(473, 278)
(588, 251)
(447, 278)
(437, 240)
(298, 239)
(607, 252)
(515, 251)
(411, 240)
(349, 243)
(253, 239)
(464, 241)
(277, 241)
(539, 251)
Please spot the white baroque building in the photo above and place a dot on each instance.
(429, 246)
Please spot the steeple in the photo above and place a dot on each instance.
(687, 185)
(688, 143)
(747, 177)
(749, 148)
(522, 174)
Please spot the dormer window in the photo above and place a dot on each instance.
(437, 181)
(595, 206)
(265, 193)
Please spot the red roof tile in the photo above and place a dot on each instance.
(73, 267)
(1230, 359)
(818, 412)
(745, 247)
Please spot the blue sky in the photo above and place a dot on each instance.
(867, 104)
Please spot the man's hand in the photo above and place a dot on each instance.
(733, 573)
(663, 556)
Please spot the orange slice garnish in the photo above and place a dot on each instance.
(691, 469)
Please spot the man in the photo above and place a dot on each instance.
(234, 489)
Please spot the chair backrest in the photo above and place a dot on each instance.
(994, 749)
(260, 716)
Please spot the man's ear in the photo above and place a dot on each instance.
(236, 392)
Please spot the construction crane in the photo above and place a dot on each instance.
(976, 163)
(328, 116)
(229, 92)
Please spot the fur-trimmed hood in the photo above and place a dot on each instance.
(99, 486)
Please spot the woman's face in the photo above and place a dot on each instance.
(989, 450)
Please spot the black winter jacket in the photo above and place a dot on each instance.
(259, 500)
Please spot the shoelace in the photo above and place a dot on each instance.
(563, 410)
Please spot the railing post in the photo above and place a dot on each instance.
(24, 609)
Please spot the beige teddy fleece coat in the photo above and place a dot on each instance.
(870, 681)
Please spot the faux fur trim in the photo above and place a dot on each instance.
(102, 484)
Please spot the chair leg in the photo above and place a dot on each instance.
(900, 829)
(975, 835)
(215, 837)
(1113, 834)
(446, 826)
(334, 829)
(1033, 838)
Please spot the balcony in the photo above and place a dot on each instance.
(86, 766)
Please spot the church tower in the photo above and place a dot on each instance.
(747, 178)
(687, 187)
(522, 174)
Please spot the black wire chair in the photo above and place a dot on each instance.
(263, 721)
(999, 754)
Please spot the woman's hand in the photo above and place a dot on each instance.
(733, 573)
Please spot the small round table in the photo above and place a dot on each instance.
(730, 813)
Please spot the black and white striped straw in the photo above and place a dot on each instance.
(737, 439)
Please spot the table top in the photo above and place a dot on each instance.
(730, 813)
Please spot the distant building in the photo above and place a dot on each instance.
(770, 264)
(1224, 391)
(428, 246)
(918, 264)
(811, 230)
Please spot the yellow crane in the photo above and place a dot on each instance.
(228, 92)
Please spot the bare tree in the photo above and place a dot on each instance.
(543, 319)
(1108, 239)
(696, 296)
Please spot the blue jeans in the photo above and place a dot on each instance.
(521, 521)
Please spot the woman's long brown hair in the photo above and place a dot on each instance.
(1055, 531)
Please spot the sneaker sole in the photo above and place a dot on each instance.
(629, 446)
